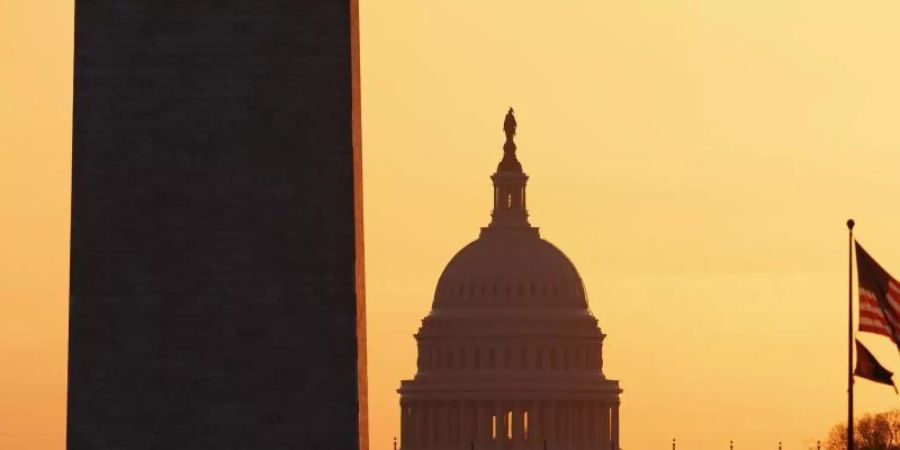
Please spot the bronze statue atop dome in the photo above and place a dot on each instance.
(509, 162)
(509, 124)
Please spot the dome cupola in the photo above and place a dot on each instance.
(509, 265)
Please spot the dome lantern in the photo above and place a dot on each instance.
(509, 183)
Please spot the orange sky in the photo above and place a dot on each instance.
(695, 159)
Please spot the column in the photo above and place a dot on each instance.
(413, 418)
(426, 424)
(504, 407)
(570, 423)
(560, 435)
(456, 431)
(439, 424)
(577, 415)
(587, 422)
(406, 440)
(615, 426)
(480, 422)
(560, 424)
(417, 425)
(425, 429)
(552, 431)
(580, 416)
(604, 426)
(462, 433)
(444, 425)
(574, 423)
(404, 425)
(518, 426)
(465, 424)
(488, 413)
(475, 433)
(587, 431)
(455, 422)
(498, 440)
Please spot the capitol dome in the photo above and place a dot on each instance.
(510, 268)
(510, 356)
(509, 265)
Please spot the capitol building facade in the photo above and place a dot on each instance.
(510, 356)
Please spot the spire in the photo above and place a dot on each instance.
(509, 183)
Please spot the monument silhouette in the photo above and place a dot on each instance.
(510, 356)
(216, 282)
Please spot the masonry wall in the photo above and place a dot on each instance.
(213, 258)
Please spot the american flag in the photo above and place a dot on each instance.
(879, 298)
(869, 368)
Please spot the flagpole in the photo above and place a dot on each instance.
(850, 225)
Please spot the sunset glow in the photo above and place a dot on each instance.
(696, 160)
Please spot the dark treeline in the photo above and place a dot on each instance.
(879, 431)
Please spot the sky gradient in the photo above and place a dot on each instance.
(696, 160)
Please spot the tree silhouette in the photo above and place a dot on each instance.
(879, 431)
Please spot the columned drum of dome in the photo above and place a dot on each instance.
(510, 357)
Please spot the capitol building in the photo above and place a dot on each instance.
(510, 356)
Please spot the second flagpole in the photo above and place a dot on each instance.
(850, 225)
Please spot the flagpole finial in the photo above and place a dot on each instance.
(850, 224)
